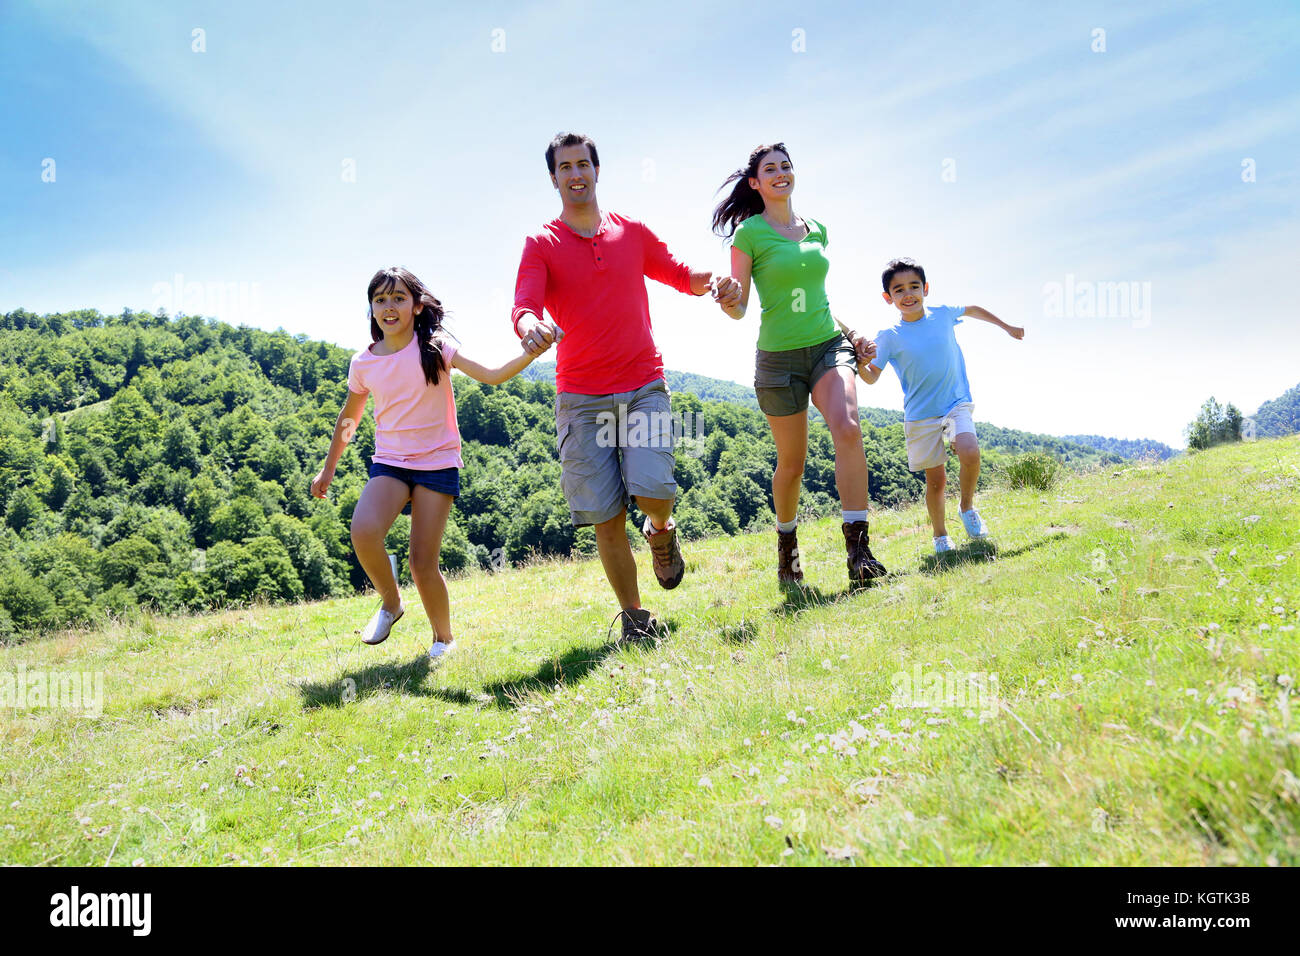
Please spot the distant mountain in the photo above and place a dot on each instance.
(1277, 417)
(1074, 450)
(1125, 447)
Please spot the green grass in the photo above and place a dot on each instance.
(1140, 624)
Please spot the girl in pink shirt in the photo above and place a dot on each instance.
(417, 461)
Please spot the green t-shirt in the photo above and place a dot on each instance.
(790, 278)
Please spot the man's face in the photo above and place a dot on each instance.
(575, 176)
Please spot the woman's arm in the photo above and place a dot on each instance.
(493, 376)
(733, 293)
(344, 429)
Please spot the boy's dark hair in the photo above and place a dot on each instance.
(900, 265)
(569, 139)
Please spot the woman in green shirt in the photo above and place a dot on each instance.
(801, 354)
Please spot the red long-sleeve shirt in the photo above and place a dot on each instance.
(595, 291)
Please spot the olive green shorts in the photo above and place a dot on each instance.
(784, 380)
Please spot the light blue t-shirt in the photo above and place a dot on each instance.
(928, 360)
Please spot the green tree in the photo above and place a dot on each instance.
(1215, 425)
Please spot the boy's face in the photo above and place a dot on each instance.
(907, 293)
(575, 175)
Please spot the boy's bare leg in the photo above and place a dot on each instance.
(429, 512)
(968, 453)
(381, 502)
(617, 560)
(790, 433)
(936, 484)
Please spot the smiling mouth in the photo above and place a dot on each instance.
(780, 183)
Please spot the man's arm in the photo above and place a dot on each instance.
(662, 266)
(975, 312)
(527, 317)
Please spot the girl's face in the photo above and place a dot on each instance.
(775, 179)
(394, 310)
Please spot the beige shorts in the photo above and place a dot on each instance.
(925, 436)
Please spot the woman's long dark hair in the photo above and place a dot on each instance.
(744, 200)
(428, 313)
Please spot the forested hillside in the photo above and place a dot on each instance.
(148, 460)
(1278, 417)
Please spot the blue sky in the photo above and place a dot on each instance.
(993, 143)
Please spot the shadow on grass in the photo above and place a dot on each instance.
(979, 552)
(404, 678)
(795, 599)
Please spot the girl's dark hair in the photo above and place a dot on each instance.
(428, 313)
(744, 200)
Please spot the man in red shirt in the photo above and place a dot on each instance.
(587, 270)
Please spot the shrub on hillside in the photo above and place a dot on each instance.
(1033, 470)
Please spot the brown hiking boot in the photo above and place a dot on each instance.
(863, 565)
(638, 625)
(669, 566)
(789, 566)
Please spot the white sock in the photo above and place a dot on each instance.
(852, 516)
(785, 527)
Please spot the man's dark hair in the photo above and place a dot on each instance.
(900, 265)
(569, 139)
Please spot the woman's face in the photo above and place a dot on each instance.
(393, 309)
(775, 176)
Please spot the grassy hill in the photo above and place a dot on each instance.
(1140, 623)
(1074, 450)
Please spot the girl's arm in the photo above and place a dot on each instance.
(344, 428)
(492, 376)
(733, 293)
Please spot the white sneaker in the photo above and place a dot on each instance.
(974, 524)
(942, 544)
(441, 649)
(381, 625)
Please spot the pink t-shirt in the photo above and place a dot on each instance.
(415, 422)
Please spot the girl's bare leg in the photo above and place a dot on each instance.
(429, 513)
(382, 500)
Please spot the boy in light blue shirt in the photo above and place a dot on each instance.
(936, 395)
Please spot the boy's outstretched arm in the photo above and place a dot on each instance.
(869, 372)
(975, 312)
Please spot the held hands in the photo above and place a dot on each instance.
(539, 335)
(1015, 331)
(726, 292)
(321, 483)
(864, 347)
